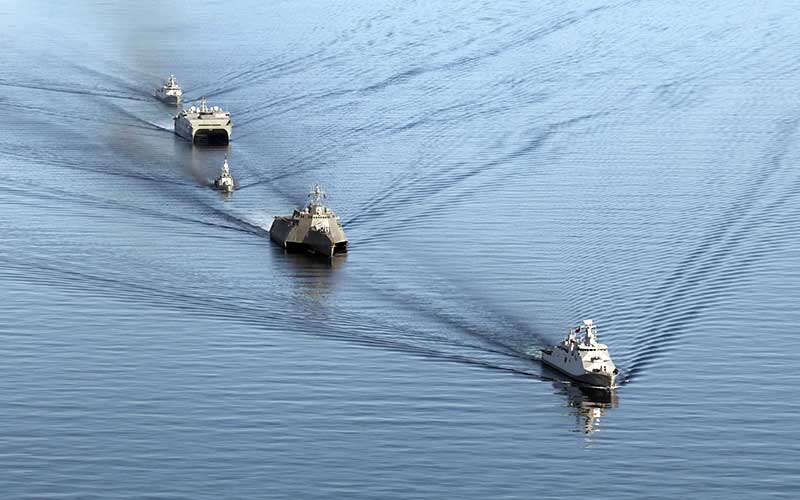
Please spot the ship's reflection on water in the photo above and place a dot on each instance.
(315, 265)
(589, 405)
(313, 281)
(312, 274)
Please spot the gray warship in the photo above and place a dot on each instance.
(315, 229)
(170, 92)
(204, 124)
(581, 357)
(225, 181)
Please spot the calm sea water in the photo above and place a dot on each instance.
(503, 170)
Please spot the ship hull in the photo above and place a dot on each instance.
(295, 238)
(590, 379)
(171, 100)
(203, 134)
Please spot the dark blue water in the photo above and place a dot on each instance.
(503, 170)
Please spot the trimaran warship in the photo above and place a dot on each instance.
(315, 228)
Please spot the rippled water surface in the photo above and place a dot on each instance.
(503, 169)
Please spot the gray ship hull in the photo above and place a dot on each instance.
(295, 238)
(171, 100)
(200, 132)
(223, 188)
(601, 380)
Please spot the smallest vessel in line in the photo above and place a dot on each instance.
(170, 92)
(581, 357)
(225, 181)
(315, 229)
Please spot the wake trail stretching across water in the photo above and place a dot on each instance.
(720, 262)
(231, 308)
(73, 90)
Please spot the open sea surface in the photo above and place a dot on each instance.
(503, 170)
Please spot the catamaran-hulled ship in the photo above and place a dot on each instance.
(204, 124)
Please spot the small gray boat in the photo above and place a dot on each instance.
(225, 181)
(170, 92)
(581, 357)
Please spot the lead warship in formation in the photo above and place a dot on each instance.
(170, 92)
(581, 357)
(225, 181)
(204, 124)
(315, 229)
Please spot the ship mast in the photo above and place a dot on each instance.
(317, 196)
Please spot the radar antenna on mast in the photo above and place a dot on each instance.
(317, 195)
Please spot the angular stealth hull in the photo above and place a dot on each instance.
(301, 236)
